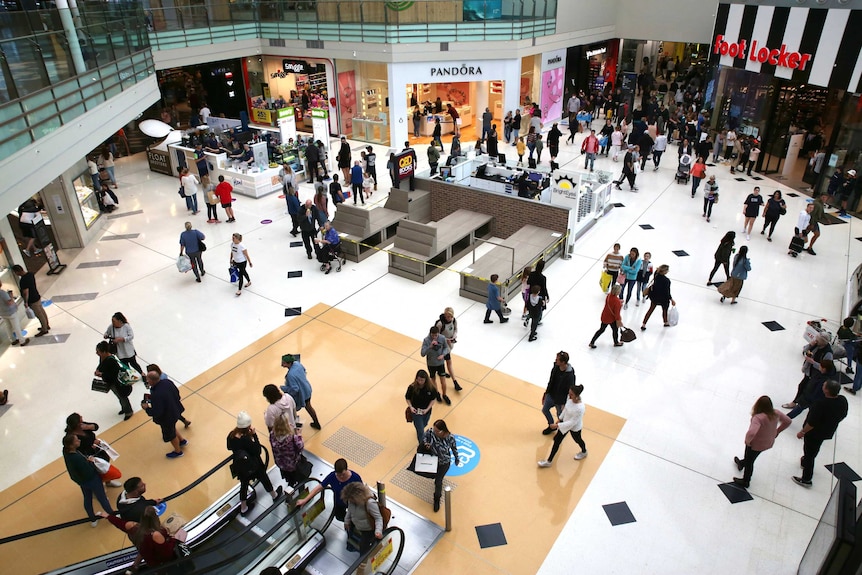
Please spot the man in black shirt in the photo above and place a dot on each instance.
(109, 370)
(131, 502)
(820, 425)
(32, 298)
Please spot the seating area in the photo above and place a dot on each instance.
(508, 258)
(421, 251)
(364, 230)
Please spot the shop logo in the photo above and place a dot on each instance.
(596, 52)
(468, 456)
(554, 60)
(399, 6)
(319, 113)
(781, 57)
(294, 66)
(462, 70)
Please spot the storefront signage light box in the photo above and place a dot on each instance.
(462, 70)
(781, 58)
(295, 66)
(318, 113)
(596, 52)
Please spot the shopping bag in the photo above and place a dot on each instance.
(184, 264)
(112, 472)
(621, 278)
(233, 272)
(672, 316)
(109, 451)
(605, 281)
(30, 313)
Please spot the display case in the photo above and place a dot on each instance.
(87, 200)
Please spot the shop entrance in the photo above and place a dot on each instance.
(427, 102)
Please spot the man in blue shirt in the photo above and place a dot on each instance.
(330, 243)
(190, 241)
(297, 386)
(356, 182)
(335, 481)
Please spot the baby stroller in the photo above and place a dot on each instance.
(683, 170)
(328, 253)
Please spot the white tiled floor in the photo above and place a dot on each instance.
(686, 392)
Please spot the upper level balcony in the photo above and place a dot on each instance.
(200, 22)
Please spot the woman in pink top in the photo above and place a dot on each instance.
(766, 424)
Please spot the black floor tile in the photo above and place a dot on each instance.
(793, 195)
(291, 311)
(491, 535)
(735, 493)
(646, 227)
(296, 274)
(843, 471)
(739, 179)
(829, 220)
(619, 205)
(773, 326)
(619, 513)
(680, 253)
(860, 239)
(758, 178)
(296, 244)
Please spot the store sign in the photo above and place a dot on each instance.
(319, 113)
(462, 70)
(764, 55)
(295, 66)
(596, 52)
(159, 162)
(554, 60)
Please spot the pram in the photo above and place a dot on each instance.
(328, 253)
(683, 170)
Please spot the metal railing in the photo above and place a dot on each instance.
(370, 21)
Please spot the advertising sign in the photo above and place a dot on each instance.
(261, 116)
(320, 127)
(159, 162)
(287, 123)
(406, 162)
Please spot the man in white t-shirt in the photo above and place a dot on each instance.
(205, 113)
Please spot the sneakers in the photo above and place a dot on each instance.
(184, 442)
(532, 338)
(789, 405)
(747, 236)
(544, 463)
(548, 431)
(447, 400)
(580, 455)
(174, 454)
(625, 306)
(114, 483)
(438, 397)
(21, 342)
(637, 303)
(504, 320)
(487, 321)
(94, 523)
(526, 321)
(800, 481)
(457, 385)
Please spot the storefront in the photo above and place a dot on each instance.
(363, 100)
(790, 77)
(219, 85)
(469, 86)
(592, 67)
(276, 82)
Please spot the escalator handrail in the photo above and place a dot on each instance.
(165, 567)
(73, 523)
(364, 556)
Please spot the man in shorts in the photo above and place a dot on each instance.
(224, 191)
(434, 350)
(162, 405)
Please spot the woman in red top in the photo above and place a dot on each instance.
(611, 316)
(155, 545)
(698, 172)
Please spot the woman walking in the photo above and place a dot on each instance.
(631, 267)
(741, 267)
(722, 256)
(775, 208)
(571, 422)
(247, 464)
(287, 446)
(611, 317)
(83, 472)
(766, 424)
(710, 197)
(659, 295)
(448, 326)
(239, 258)
(643, 277)
(106, 160)
(751, 209)
(698, 171)
(120, 334)
(438, 441)
(420, 397)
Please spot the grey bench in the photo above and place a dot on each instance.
(421, 251)
(364, 230)
(527, 245)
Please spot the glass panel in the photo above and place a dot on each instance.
(21, 54)
(14, 144)
(120, 43)
(58, 62)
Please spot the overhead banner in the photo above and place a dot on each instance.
(817, 46)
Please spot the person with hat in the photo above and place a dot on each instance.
(845, 191)
(296, 384)
(710, 196)
(247, 464)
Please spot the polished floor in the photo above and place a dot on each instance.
(665, 414)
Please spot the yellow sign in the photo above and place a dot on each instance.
(385, 552)
(313, 512)
(261, 116)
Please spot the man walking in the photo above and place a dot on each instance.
(590, 147)
(516, 127)
(296, 384)
(557, 392)
(628, 170)
(820, 425)
(309, 222)
(487, 118)
(32, 298)
(190, 242)
(356, 182)
(573, 106)
(163, 406)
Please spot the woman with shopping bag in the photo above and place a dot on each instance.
(91, 446)
(738, 275)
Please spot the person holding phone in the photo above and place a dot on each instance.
(163, 405)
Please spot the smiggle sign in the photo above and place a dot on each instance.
(780, 57)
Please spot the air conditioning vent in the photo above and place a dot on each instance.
(444, 46)
(277, 42)
(314, 44)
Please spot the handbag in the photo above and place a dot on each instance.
(202, 245)
(182, 191)
(646, 291)
(408, 415)
(100, 385)
(303, 469)
(112, 347)
(628, 335)
(102, 466)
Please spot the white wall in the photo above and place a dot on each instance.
(670, 20)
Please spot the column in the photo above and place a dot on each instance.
(71, 36)
(398, 118)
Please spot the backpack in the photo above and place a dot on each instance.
(244, 465)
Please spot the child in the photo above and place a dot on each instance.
(367, 184)
(535, 307)
(335, 191)
(522, 148)
(644, 276)
(848, 339)
(525, 289)
(539, 147)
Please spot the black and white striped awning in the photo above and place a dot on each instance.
(764, 39)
